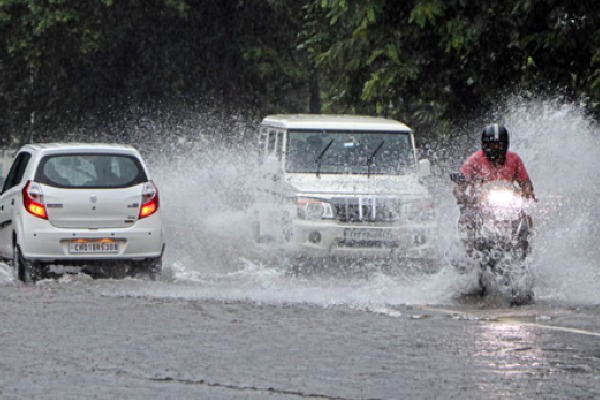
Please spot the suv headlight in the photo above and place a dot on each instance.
(314, 208)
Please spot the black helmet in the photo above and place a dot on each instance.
(491, 134)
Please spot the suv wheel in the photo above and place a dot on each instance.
(26, 270)
(119, 271)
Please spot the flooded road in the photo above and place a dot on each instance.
(227, 326)
(255, 334)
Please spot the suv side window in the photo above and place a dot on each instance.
(17, 170)
(272, 143)
(275, 143)
(279, 145)
(262, 144)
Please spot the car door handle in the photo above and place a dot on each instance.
(12, 202)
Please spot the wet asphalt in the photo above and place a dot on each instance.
(90, 340)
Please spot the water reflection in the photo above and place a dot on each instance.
(511, 351)
(507, 346)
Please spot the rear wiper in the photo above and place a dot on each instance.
(371, 157)
(320, 157)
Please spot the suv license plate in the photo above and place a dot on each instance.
(367, 235)
(93, 247)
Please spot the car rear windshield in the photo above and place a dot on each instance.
(90, 170)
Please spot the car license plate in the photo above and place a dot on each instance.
(367, 235)
(94, 247)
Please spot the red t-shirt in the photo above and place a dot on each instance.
(478, 167)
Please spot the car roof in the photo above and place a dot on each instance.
(333, 121)
(48, 148)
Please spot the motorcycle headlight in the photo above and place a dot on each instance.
(503, 198)
(313, 208)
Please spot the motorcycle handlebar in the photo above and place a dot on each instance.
(457, 177)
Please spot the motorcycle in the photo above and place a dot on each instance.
(496, 228)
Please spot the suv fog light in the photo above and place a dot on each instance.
(314, 237)
(420, 239)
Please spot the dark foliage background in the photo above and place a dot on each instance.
(432, 63)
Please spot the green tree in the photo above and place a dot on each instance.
(63, 56)
(432, 62)
(272, 69)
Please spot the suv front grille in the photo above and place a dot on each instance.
(367, 209)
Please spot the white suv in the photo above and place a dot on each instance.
(343, 186)
(66, 207)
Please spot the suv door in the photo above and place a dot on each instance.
(9, 199)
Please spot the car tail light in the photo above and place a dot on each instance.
(149, 200)
(33, 199)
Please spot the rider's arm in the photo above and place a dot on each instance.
(460, 192)
(464, 190)
(527, 188)
(522, 177)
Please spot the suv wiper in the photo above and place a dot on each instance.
(371, 157)
(320, 157)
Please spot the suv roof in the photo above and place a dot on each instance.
(332, 121)
(92, 147)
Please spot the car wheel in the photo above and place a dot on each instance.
(150, 268)
(16, 265)
(154, 268)
(26, 270)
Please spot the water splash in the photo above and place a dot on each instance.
(6, 273)
(560, 144)
(204, 193)
(204, 170)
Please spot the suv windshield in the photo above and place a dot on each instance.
(90, 170)
(349, 152)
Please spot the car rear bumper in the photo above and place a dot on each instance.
(52, 244)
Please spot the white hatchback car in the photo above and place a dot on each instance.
(66, 207)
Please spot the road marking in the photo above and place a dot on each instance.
(510, 320)
(551, 327)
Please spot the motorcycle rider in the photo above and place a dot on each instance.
(493, 162)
